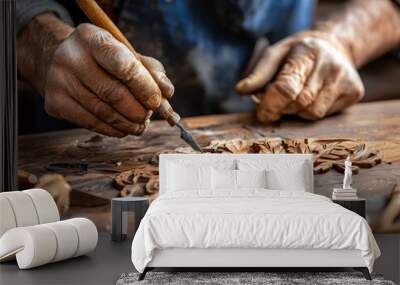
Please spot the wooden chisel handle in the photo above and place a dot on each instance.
(97, 16)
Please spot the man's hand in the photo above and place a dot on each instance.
(93, 80)
(315, 78)
(313, 74)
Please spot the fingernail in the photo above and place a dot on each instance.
(140, 129)
(143, 127)
(256, 98)
(149, 114)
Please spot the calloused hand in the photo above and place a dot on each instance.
(95, 81)
(309, 74)
(91, 79)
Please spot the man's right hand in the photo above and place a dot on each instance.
(95, 81)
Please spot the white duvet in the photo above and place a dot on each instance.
(253, 218)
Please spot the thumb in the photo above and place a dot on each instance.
(264, 70)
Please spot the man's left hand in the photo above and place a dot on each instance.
(310, 74)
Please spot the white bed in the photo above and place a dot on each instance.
(219, 225)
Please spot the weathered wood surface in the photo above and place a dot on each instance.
(90, 165)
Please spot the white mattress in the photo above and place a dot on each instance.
(256, 218)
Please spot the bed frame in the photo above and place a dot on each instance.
(245, 259)
(242, 259)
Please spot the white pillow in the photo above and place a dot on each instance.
(222, 163)
(184, 177)
(251, 178)
(224, 179)
(294, 180)
(282, 174)
(227, 179)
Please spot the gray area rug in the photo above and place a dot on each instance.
(233, 278)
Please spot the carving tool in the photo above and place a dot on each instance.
(100, 18)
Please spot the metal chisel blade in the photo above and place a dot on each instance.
(188, 138)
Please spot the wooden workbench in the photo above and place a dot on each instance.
(90, 167)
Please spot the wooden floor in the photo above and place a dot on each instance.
(90, 166)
